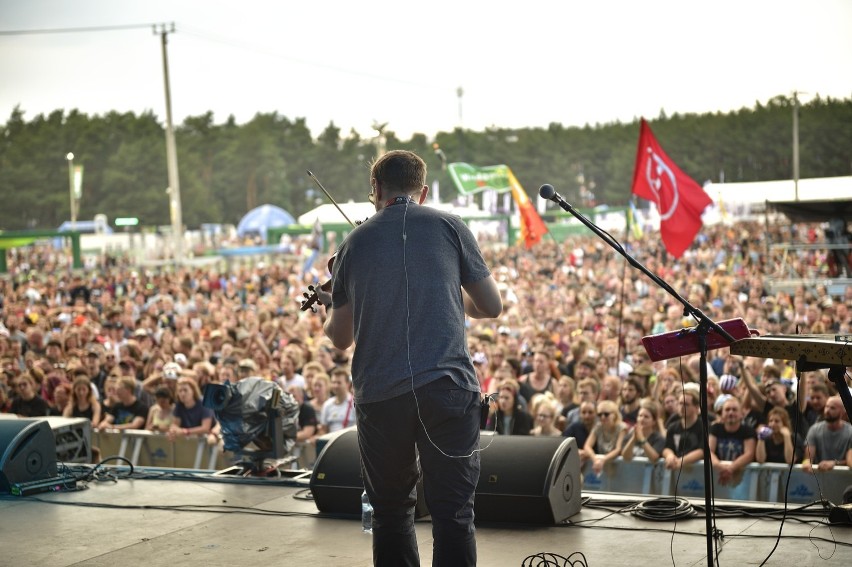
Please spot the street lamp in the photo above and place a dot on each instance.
(70, 157)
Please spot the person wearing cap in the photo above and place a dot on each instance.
(402, 284)
(180, 359)
(216, 341)
(246, 368)
(145, 341)
(774, 393)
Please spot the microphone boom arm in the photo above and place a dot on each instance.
(704, 325)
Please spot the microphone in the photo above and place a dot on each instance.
(548, 192)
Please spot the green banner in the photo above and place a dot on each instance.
(470, 179)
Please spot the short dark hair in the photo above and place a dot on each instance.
(164, 392)
(399, 171)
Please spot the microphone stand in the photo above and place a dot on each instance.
(705, 324)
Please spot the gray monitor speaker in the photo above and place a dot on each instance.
(27, 452)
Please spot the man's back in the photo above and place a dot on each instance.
(406, 264)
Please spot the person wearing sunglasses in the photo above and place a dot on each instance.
(27, 403)
(607, 437)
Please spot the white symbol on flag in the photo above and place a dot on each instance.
(654, 171)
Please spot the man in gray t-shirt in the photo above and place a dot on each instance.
(829, 442)
(402, 283)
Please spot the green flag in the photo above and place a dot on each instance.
(471, 179)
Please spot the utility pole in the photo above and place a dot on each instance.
(460, 94)
(796, 145)
(70, 157)
(175, 210)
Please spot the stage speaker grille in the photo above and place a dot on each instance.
(27, 452)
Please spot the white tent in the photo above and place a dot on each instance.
(740, 200)
(754, 195)
(328, 214)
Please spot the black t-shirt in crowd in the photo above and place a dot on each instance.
(36, 407)
(683, 441)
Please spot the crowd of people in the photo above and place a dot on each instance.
(134, 348)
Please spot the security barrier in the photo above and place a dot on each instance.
(762, 483)
(146, 448)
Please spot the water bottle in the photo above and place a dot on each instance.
(366, 514)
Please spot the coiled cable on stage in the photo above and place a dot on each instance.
(545, 559)
(663, 509)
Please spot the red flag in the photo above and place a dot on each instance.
(679, 199)
(532, 227)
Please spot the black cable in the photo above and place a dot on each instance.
(546, 559)
(663, 509)
(703, 535)
(304, 494)
(98, 473)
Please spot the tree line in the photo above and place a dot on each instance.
(226, 169)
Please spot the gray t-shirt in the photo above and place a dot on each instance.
(406, 299)
(830, 445)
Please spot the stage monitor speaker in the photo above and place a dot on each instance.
(530, 480)
(336, 482)
(27, 452)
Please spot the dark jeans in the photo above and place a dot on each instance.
(391, 437)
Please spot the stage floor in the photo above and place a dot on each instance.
(174, 523)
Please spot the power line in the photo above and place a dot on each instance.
(76, 30)
(233, 43)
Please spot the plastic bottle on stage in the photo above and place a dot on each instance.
(366, 514)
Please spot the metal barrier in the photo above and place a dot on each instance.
(147, 448)
(762, 483)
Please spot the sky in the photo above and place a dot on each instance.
(358, 64)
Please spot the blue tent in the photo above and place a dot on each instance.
(84, 226)
(262, 218)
